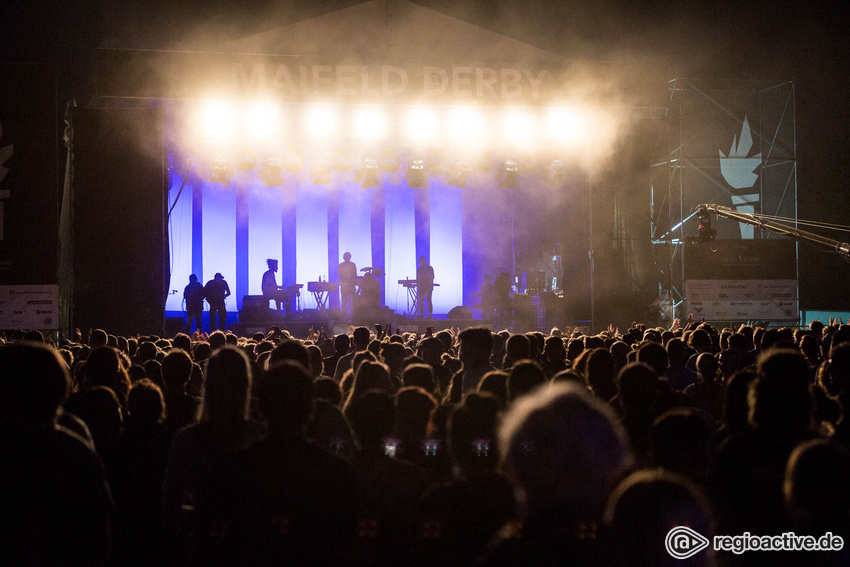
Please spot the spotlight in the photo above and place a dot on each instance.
(569, 125)
(320, 122)
(321, 172)
(556, 170)
(370, 124)
(216, 120)
(517, 127)
(463, 170)
(271, 173)
(246, 162)
(263, 121)
(368, 173)
(221, 171)
(294, 162)
(509, 180)
(420, 125)
(415, 175)
(467, 126)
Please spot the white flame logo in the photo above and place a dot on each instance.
(739, 172)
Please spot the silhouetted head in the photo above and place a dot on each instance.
(413, 411)
(736, 407)
(518, 347)
(98, 338)
(181, 341)
(644, 508)
(524, 376)
(655, 355)
(176, 370)
(780, 397)
(817, 495)
(372, 417)
(681, 440)
(421, 375)
(495, 383)
(290, 350)
(227, 387)
(638, 388)
(361, 338)
(286, 398)
(472, 431)
(34, 382)
(327, 389)
(342, 343)
(272, 264)
(564, 449)
(476, 344)
(372, 375)
(193, 278)
(145, 403)
(217, 340)
(347, 256)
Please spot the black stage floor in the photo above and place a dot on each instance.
(300, 327)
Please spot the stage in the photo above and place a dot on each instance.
(530, 313)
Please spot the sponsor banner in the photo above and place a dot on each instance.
(29, 307)
(174, 74)
(739, 300)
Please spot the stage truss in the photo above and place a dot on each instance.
(719, 136)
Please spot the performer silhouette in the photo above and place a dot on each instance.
(347, 273)
(276, 292)
(193, 294)
(216, 291)
(425, 285)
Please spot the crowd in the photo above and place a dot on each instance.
(453, 448)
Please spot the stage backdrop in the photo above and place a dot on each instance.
(234, 228)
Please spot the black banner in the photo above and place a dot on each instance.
(742, 260)
(29, 194)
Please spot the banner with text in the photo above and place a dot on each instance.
(29, 307)
(174, 74)
(742, 300)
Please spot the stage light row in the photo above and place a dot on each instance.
(269, 123)
(271, 171)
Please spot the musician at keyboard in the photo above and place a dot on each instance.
(278, 293)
